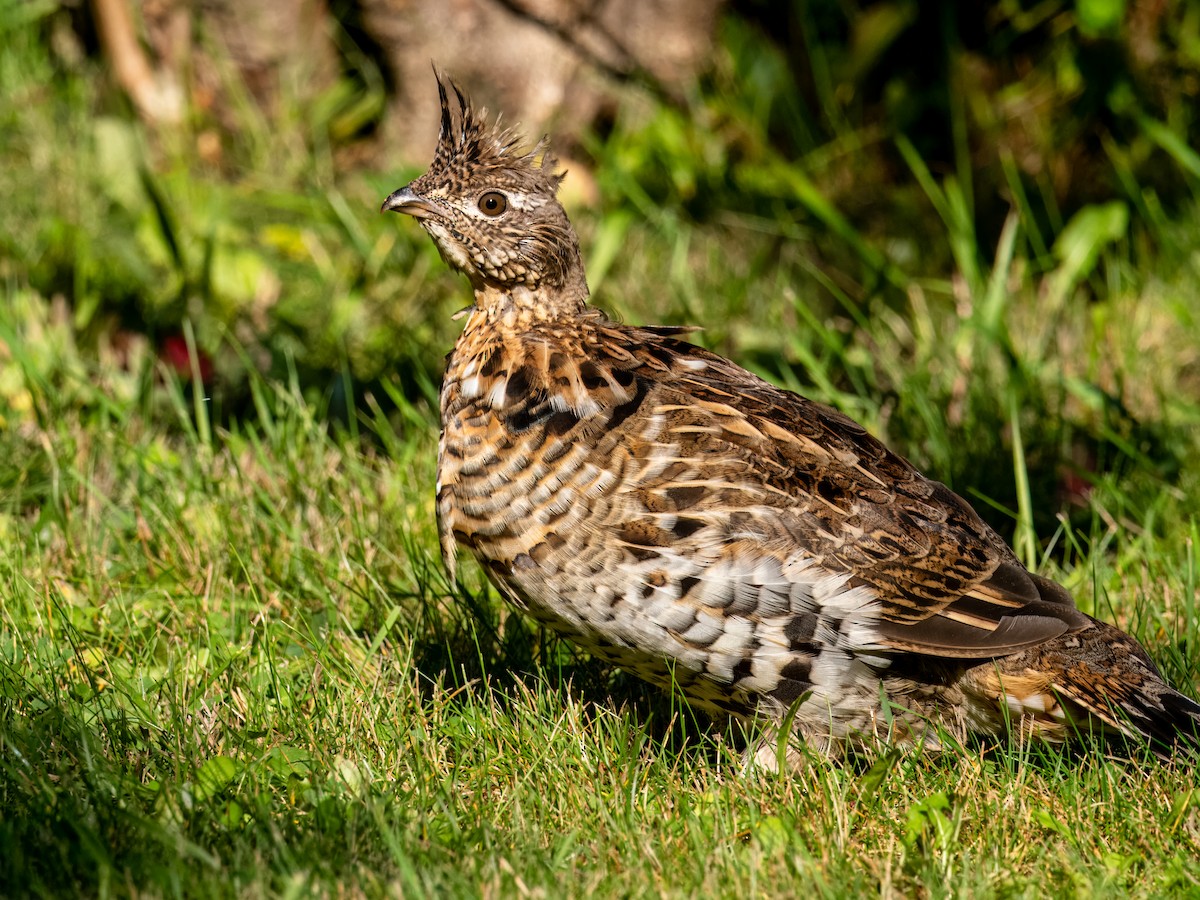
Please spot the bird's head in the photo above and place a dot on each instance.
(491, 206)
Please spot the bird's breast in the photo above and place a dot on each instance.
(603, 527)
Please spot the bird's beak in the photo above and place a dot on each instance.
(405, 201)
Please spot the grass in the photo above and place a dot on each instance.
(232, 665)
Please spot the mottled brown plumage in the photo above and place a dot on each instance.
(701, 528)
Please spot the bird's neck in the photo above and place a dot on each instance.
(520, 307)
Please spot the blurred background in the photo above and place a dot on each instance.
(916, 211)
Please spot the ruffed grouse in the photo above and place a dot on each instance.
(689, 522)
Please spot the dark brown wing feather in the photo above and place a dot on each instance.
(947, 583)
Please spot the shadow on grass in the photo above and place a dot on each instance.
(74, 816)
(81, 817)
(480, 649)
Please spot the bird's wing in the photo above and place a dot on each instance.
(777, 464)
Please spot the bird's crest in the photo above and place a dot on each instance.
(468, 141)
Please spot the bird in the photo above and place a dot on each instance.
(702, 529)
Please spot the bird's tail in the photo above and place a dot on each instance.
(1182, 716)
(1113, 679)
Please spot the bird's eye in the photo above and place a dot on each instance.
(493, 203)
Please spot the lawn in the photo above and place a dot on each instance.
(231, 663)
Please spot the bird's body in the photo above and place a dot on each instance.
(709, 532)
